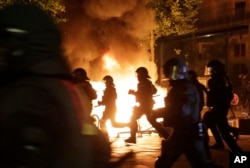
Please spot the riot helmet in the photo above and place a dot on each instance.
(142, 72)
(28, 35)
(175, 69)
(216, 67)
(80, 75)
(108, 78)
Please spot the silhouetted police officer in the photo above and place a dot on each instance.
(82, 82)
(218, 99)
(181, 113)
(109, 101)
(144, 96)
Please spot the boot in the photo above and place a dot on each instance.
(131, 140)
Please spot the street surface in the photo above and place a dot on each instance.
(147, 149)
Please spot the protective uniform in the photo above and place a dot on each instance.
(201, 88)
(42, 121)
(84, 86)
(218, 99)
(181, 112)
(144, 96)
(109, 101)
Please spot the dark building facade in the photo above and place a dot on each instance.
(222, 33)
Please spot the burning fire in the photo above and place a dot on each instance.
(125, 102)
(110, 62)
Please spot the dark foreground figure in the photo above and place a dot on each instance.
(181, 113)
(42, 122)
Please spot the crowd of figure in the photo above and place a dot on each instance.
(45, 119)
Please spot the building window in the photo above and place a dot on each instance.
(240, 69)
(240, 9)
(240, 50)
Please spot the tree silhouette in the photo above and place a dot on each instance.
(53, 7)
(174, 16)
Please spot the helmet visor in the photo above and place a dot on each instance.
(176, 72)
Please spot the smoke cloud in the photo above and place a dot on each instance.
(97, 28)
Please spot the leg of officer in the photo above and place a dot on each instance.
(133, 125)
(228, 138)
(171, 150)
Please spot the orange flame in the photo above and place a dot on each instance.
(110, 62)
(125, 102)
